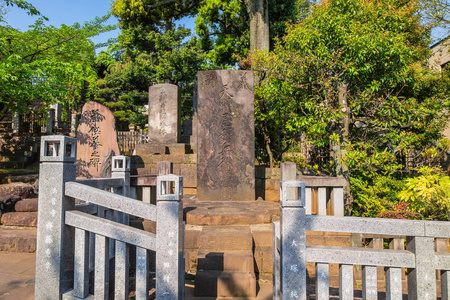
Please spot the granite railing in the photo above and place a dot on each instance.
(76, 241)
(291, 254)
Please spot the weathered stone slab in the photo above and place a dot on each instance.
(226, 149)
(23, 190)
(164, 111)
(96, 134)
(28, 219)
(27, 205)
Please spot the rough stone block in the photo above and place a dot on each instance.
(272, 195)
(263, 259)
(148, 148)
(26, 244)
(23, 190)
(220, 238)
(149, 226)
(27, 205)
(226, 149)
(189, 191)
(179, 149)
(191, 239)
(235, 261)
(189, 177)
(262, 237)
(225, 284)
(28, 219)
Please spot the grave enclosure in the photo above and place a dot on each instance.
(229, 239)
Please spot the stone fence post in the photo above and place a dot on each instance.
(121, 169)
(54, 254)
(50, 121)
(169, 239)
(16, 123)
(293, 240)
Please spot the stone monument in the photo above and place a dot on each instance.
(96, 136)
(164, 112)
(226, 136)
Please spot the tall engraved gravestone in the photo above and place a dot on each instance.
(164, 112)
(226, 136)
(96, 137)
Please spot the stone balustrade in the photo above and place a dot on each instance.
(420, 257)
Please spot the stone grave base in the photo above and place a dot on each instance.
(230, 213)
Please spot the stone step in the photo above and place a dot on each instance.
(150, 159)
(230, 213)
(27, 205)
(222, 238)
(231, 260)
(18, 240)
(225, 284)
(27, 219)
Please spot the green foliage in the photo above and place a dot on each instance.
(48, 63)
(396, 107)
(428, 193)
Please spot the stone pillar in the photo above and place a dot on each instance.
(226, 136)
(164, 113)
(288, 171)
(16, 123)
(73, 125)
(50, 121)
(293, 241)
(121, 169)
(54, 254)
(422, 278)
(58, 109)
(194, 119)
(169, 239)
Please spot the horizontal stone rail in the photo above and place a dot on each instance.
(422, 256)
(102, 183)
(111, 229)
(111, 201)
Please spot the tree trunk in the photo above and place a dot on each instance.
(258, 11)
(341, 166)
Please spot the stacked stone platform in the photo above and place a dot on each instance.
(25, 214)
(225, 263)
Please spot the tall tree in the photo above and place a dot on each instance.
(45, 62)
(394, 109)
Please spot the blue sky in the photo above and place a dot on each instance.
(63, 12)
(69, 12)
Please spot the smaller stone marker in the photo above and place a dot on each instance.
(164, 112)
(96, 134)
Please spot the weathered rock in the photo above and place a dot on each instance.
(23, 190)
(27, 205)
(226, 136)
(7, 203)
(28, 219)
(106, 169)
(96, 135)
